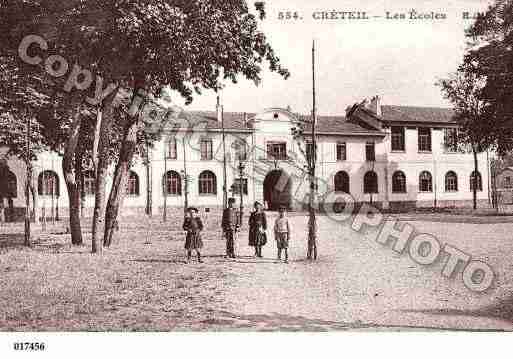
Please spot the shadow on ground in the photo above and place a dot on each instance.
(16, 241)
(502, 309)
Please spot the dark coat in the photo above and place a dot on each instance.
(256, 221)
(230, 221)
(193, 226)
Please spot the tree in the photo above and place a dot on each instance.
(464, 89)
(138, 45)
(490, 40)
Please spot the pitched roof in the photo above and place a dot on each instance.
(234, 121)
(339, 125)
(417, 114)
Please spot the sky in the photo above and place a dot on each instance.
(399, 60)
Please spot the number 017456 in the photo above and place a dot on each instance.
(28, 346)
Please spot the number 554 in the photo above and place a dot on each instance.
(288, 15)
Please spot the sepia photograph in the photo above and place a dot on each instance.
(268, 172)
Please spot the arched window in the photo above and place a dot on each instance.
(425, 182)
(473, 182)
(48, 184)
(8, 183)
(12, 185)
(172, 183)
(132, 185)
(89, 183)
(399, 182)
(451, 182)
(370, 182)
(207, 183)
(341, 182)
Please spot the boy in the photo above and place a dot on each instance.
(193, 226)
(282, 233)
(230, 224)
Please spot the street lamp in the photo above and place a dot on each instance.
(185, 180)
(241, 174)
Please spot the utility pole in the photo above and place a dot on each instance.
(312, 223)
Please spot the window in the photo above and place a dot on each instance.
(206, 149)
(8, 179)
(172, 183)
(89, 183)
(424, 139)
(341, 151)
(451, 139)
(48, 184)
(507, 182)
(207, 183)
(240, 148)
(132, 185)
(236, 186)
(370, 151)
(370, 182)
(398, 182)
(473, 182)
(310, 152)
(341, 182)
(398, 139)
(425, 182)
(277, 151)
(172, 153)
(451, 182)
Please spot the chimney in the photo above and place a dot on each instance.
(375, 105)
(219, 109)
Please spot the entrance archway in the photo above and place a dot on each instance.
(277, 189)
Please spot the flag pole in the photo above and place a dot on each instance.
(312, 225)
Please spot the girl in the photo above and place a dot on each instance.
(257, 228)
(193, 226)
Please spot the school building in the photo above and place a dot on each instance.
(396, 157)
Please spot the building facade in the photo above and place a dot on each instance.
(394, 157)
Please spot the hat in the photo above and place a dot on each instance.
(257, 203)
(231, 200)
(192, 209)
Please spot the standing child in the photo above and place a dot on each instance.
(193, 225)
(282, 233)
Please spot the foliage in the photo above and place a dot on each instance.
(490, 56)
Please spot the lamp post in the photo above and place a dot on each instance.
(241, 174)
(185, 180)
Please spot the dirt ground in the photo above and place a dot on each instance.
(143, 284)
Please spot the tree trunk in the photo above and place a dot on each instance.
(117, 191)
(149, 187)
(128, 145)
(101, 172)
(34, 202)
(2, 211)
(70, 177)
(474, 187)
(27, 204)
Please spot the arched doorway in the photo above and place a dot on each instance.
(277, 189)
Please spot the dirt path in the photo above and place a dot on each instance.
(143, 284)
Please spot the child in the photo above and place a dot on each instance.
(282, 233)
(193, 225)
